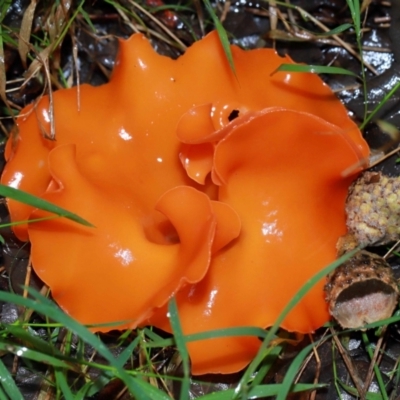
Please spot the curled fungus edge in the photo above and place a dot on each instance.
(224, 190)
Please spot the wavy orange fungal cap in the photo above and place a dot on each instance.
(127, 127)
(124, 275)
(118, 152)
(282, 172)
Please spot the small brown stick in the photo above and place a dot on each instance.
(317, 361)
(348, 87)
(317, 371)
(309, 357)
(3, 83)
(380, 20)
(273, 15)
(350, 367)
(164, 382)
(365, 4)
(14, 369)
(51, 102)
(385, 157)
(200, 16)
(127, 21)
(3, 128)
(25, 32)
(291, 16)
(340, 41)
(391, 250)
(41, 60)
(370, 372)
(363, 163)
(27, 279)
(273, 19)
(76, 68)
(139, 28)
(225, 10)
(121, 393)
(283, 19)
(160, 24)
(84, 367)
(377, 49)
(27, 315)
(345, 45)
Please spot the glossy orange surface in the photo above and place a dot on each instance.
(134, 158)
(290, 199)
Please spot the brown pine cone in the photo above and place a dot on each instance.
(361, 291)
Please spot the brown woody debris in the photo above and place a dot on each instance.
(373, 210)
(361, 291)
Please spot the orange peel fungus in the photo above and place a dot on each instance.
(226, 190)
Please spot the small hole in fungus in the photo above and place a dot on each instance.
(234, 114)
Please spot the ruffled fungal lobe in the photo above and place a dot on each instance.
(128, 126)
(290, 197)
(112, 272)
(277, 146)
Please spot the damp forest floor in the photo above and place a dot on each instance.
(42, 43)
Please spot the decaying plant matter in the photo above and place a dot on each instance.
(373, 209)
(363, 289)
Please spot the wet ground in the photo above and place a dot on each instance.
(250, 25)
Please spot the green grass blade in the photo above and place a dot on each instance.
(31, 200)
(212, 334)
(314, 69)
(152, 335)
(354, 7)
(29, 221)
(268, 362)
(292, 303)
(3, 9)
(181, 345)
(44, 306)
(339, 29)
(87, 19)
(291, 373)
(380, 105)
(378, 375)
(23, 351)
(379, 324)
(308, 285)
(227, 332)
(223, 36)
(94, 386)
(8, 384)
(89, 389)
(67, 26)
(152, 392)
(159, 343)
(3, 396)
(353, 391)
(262, 391)
(35, 342)
(127, 353)
(265, 390)
(60, 375)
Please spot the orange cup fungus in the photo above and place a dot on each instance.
(224, 189)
